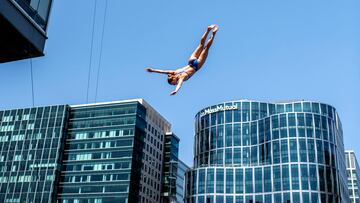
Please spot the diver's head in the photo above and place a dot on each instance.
(172, 79)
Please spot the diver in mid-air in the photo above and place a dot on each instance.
(196, 61)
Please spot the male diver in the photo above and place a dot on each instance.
(196, 61)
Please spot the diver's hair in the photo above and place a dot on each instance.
(170, 78)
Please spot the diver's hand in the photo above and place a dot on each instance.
(150, 70)
(173, 92)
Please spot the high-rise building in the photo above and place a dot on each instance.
(249, 151)
(174, 171)
(154, 157)
(180, 181)
(92, 153)
(23, 28)
(31, 142)
(103, 153)
(171, 167)
(353, 175)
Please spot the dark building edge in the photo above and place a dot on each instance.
(19, 34)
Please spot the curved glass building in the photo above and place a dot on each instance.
(249, 151)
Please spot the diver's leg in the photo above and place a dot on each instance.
(198, 50)
(205, 52)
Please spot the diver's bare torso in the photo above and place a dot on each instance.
(185, 72)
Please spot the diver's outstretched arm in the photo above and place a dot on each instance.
(160, 71)
(178, 86)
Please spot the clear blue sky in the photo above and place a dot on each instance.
(265, 50)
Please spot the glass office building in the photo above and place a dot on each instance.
(353, 175)
(103, 153)
(170, 167)
(180, 181)
(249, 151)
(174, 171)
(23, 28)
(30, 153)
(93, 153)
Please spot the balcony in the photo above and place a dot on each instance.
(23, 28)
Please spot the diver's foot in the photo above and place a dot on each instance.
(216, 28)
(210, 27)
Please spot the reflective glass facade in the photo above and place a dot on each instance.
(103, 153)
(37, 10)
(92, 153)
(170, 167)
(180, 181)
(31, 141)
(353, 175)
(249, 151)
